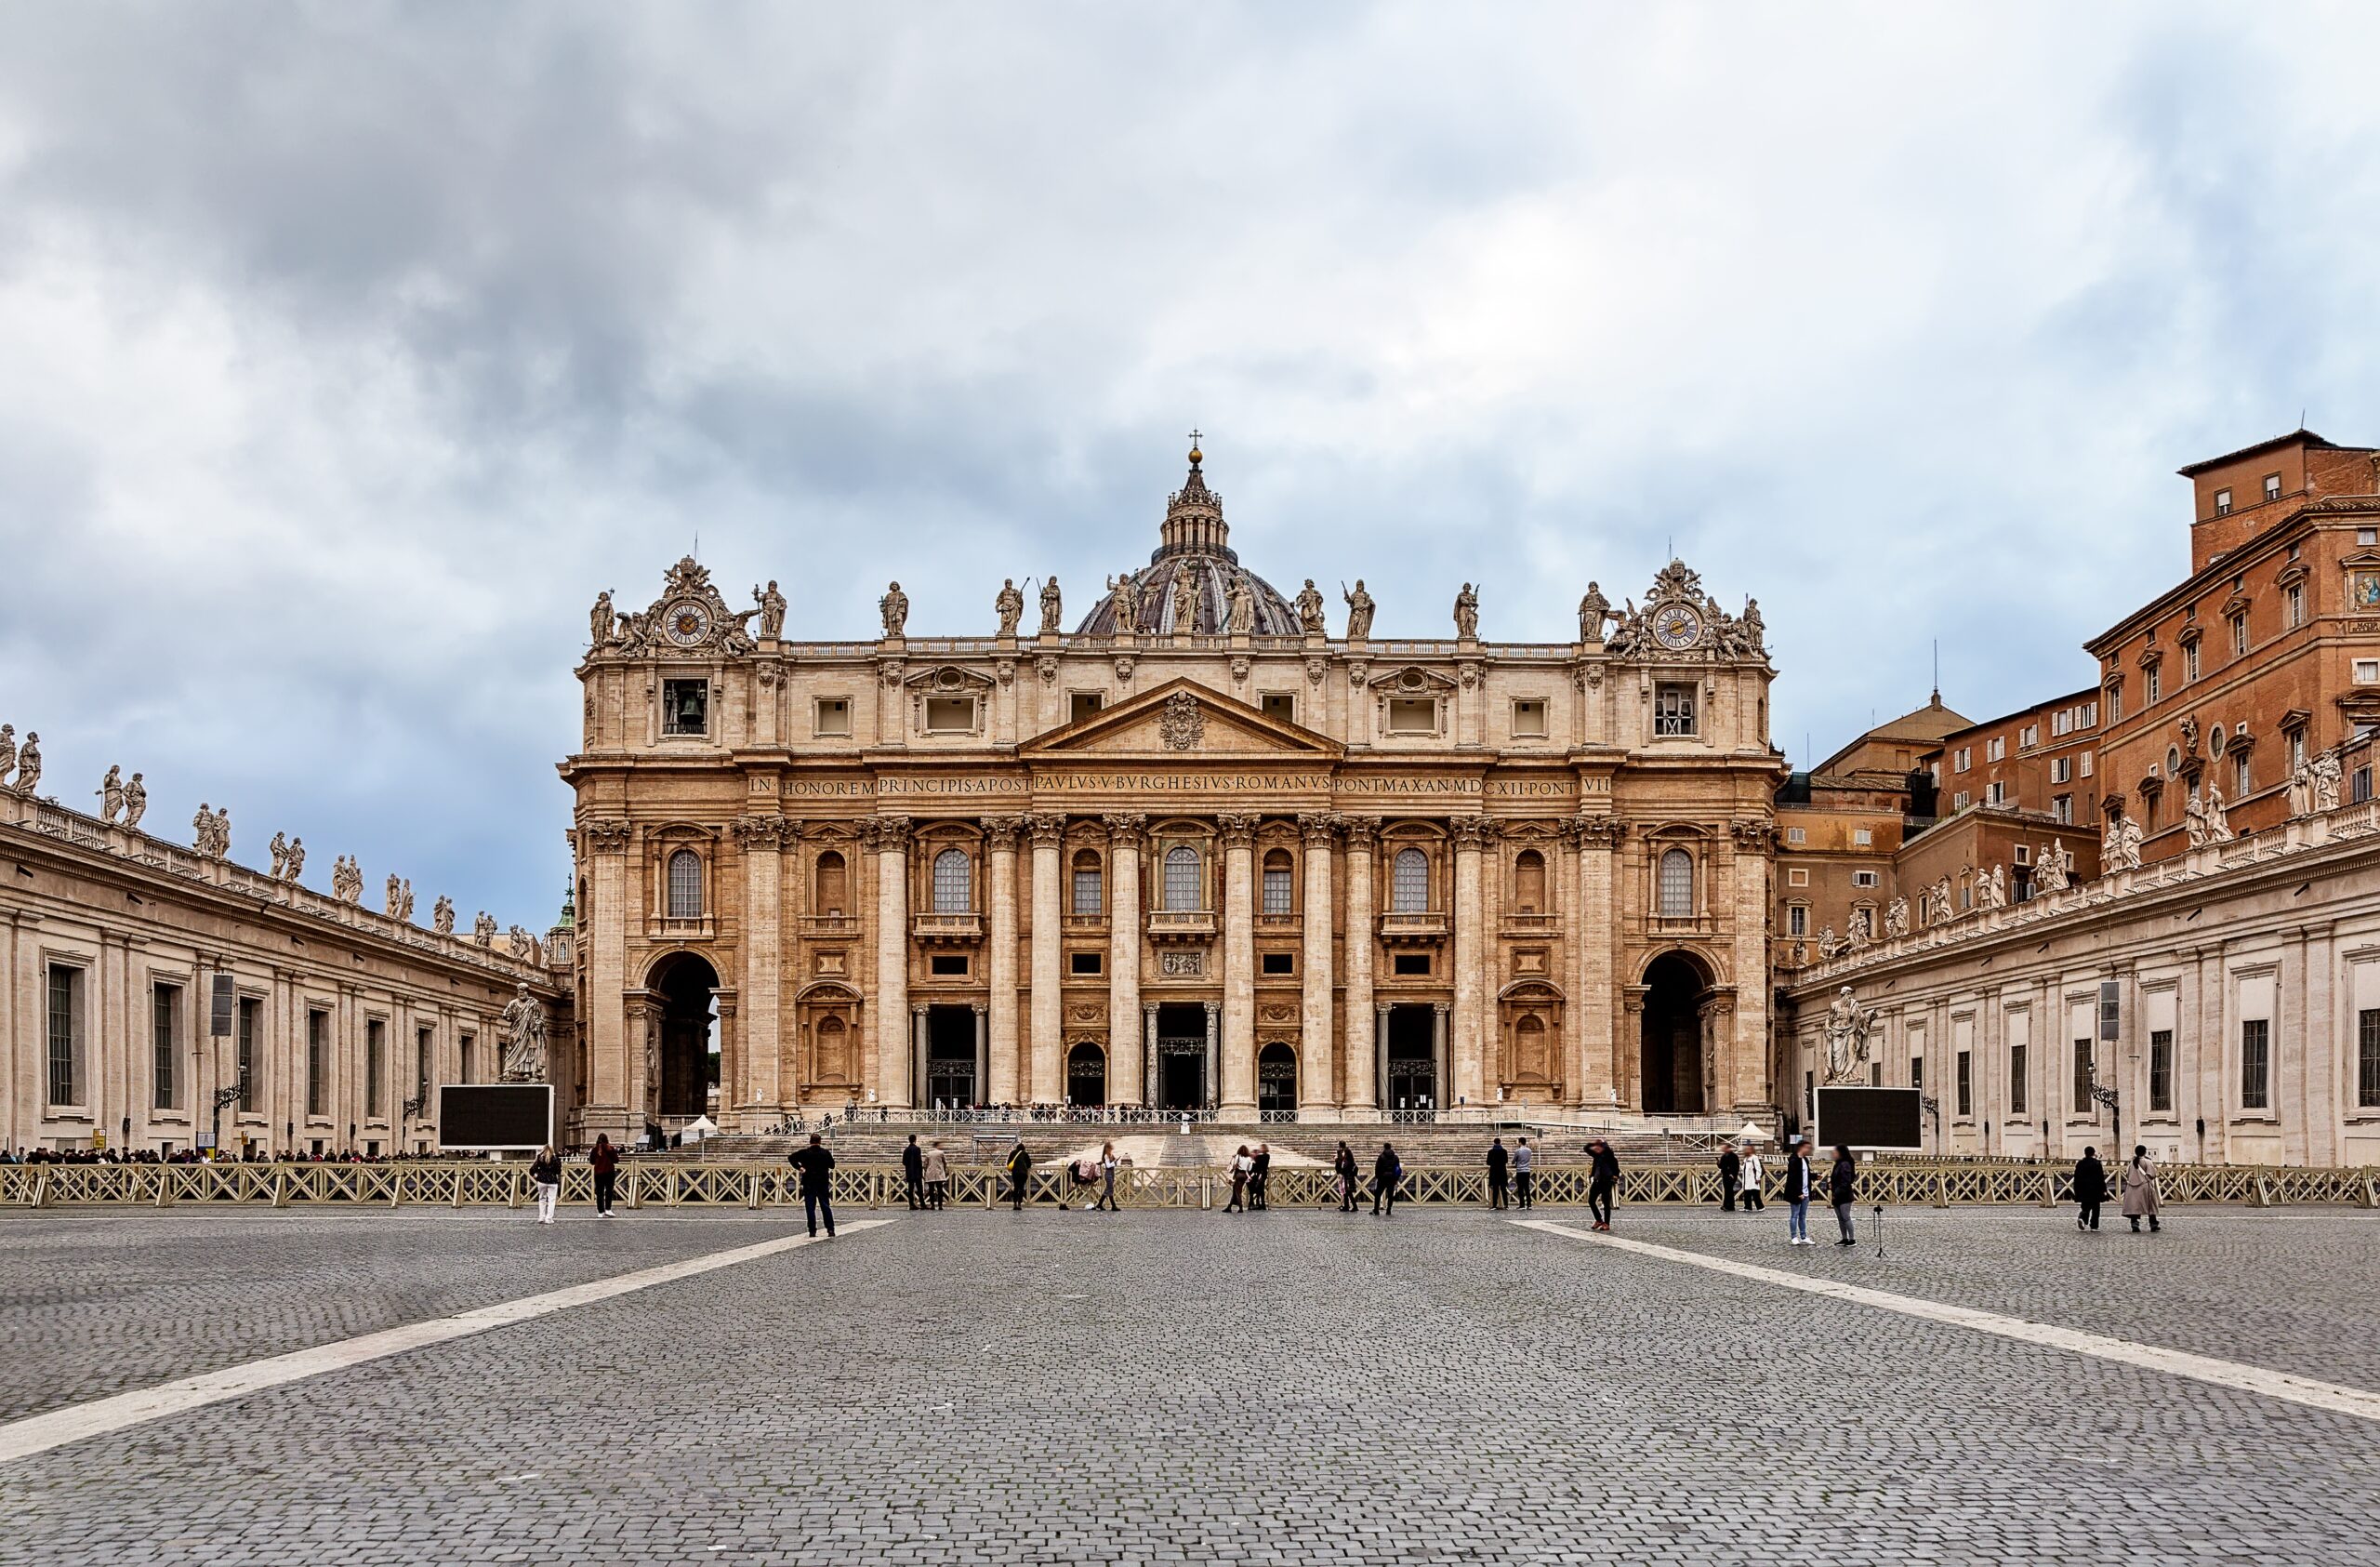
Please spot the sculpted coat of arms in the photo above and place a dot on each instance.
(1183, 724)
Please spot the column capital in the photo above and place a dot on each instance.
(1442, 1008)
(1238, 831)
(1599, 833)
(1317, 828)
(607, 837)
(1125, 828)
(889, 834)
(1472, 833)
(1047, 828)
(979, 1008)
(768, 833)
(917, 1009)
(1362, 831)
(999, 833)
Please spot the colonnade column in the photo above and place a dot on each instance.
(919, 1075)
(889, 1018)
(1315, 1044)
(1238, 1100)
(999, 1086)
(1364, 1030)
(1125, 1083)
(1439, 1073)
(1048, 1014)
(1471, 836)
(615, 1050)
(1596, 1073)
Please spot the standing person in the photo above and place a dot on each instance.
(1020, 1172)
(2141, 1198)
(913, 1174)
(1730, 1178)
(1343, 1164)
(1387, 1170)
(1754, 1175)
(1497, 1160)
(605, 1162)
(1259, 1177)
(1524, 1173)
(1602, 1175)
(813, 1164)
(937, 1174)
(2090, 1189)
(546, 1170)
(1796, 1193)
(1106, 1179)
(1842, 1189)
(1240, 1165)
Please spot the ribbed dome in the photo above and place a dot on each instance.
(1197, 548)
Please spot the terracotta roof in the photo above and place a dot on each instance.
(2301, 434)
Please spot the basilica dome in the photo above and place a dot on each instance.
(1195, 550)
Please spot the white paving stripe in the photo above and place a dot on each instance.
(2272, 1384)
(39, 1433)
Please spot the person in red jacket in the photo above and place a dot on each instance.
(604, 1160)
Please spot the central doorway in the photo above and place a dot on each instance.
(950, 1056)
(1181, 1056)
(1086, 1074)
(1412, 1065)
(1277, 1083)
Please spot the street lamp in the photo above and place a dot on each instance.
(1933, 1107)
(224, 1099)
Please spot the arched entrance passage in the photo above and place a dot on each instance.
(1276, 1082)
(683, 983)
(1677, 990)
(1086, 1074)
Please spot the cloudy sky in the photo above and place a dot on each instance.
(347, 349)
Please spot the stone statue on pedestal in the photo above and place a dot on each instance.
(280, 847)
(1052, 608)
(1240, 602)
(296, 859)
(523, 1022)
(1310, 609)
(600, 620)
(895, 607)
(1466, 614)
(442, 915)
(1595, 611)
(1359, 613)
(29, 767)
(772, 605)
(1009, 604)
(1848, 1029)
(111, 793)
(135, 801)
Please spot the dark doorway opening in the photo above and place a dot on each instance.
(1277, 1083)
(1086, 1074)
(1181, 1056)
(690, 1068)
(950, 1055)
(1412, 1059)
(1675, 991)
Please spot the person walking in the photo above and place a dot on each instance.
(1350, 1180)
(1731, 1178)
(1842, 1189)
(604, 1160)
(546, 1171)
(936, 1170)
(1387, 1171)
(2141, 1198)
(2090, 1189)
(1525, 1175)
(1754, 1175)
(1603, 1177)
(1020, 1172)
(1496, 1161)
(1240, 1165)
(1106, 1179)
(815, 1164)
(913, 1174)
(1260, 1178)
(1796, 1193)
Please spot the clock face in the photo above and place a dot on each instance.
(687, 623)
(1677, 625)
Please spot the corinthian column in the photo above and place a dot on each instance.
(1363, 1085)
(1595, 1075)
(1000, 1088)
(1471, 835)
(1239, 967)
(1049, 1013)
(889, 1018)
(1124, 1083)
(1315, 1077)
(761, 838)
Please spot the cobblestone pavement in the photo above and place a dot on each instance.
(1182, 1386)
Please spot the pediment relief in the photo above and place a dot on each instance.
(1182, 719)
(1412, 679)
(949, 679)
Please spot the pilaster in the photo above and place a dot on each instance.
(1125, 1084)
(1048, 1008)
(889, 1018)
(1238, 1098)
(1001, 1086)
(1365, 1031)
(1315, 1086)
(1471, 837)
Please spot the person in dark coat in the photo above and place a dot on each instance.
(1842, 1189)
(1498, 1161)
(913, 1172)
(814, 1165)
(1730, 1174)
(1796, 1191)
(1259, 1177)
(605, 1162)
(1387, 1170)
(1603, 1177)
(2090, 1189)
(1020, 1174)
(1350, 1178)
(546, 1171)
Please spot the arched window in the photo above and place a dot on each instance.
(833, 893)
(951, 893)
(1181, 879)
(1409, 892)
(686, 885)
(1280, 883)
(1677, 884)
(1087, 887)
(1529, 882)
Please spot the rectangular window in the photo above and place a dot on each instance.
(685, 707)
(1863, 878)
(2272, 487)
(2367, 536)
(1280, 890)
(164, 1025)
(1799, 876)
(1673, 708)
(2115, 704)
(1797, 835)
(1917, 1073)
(375, 1067)
(1967, 1084)
(2367, 672)
(950, 715)
(2223, 503)
(1412, 715)
(1278, 962)
(1862, 837)
(2061, 769)
(1409, 964)
(2238, 635)
(2255, 1066)
(2293, 606)
(947, 965)
(1797, 919)
(1281, 707)
(2156, 685)
(251, 1040)
(2367, 1058)
(2160, 1072)
(1087, 891)
(1529, 719)
(1083, 704)
(2016, 1079)
(2089, 758)
(464, 1050)
(65, 1034)
(2190, 663)
(1961, 800)
(1083, 962)
(1996, 749)
(2359, 786)
(2032, 736)
(2083, 1080)
(831, 715)
(1963, 760)
(317, 1060)
(2240, 776)
(1995, 792)
(2062, 807)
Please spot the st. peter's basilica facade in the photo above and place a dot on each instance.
(1197, 853)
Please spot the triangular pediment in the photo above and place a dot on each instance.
(1182, 720)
